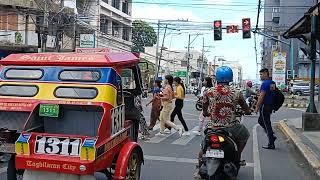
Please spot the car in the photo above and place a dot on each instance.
(302, 88)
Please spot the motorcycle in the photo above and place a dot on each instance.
(199, 103)
(252, 101)
(221, 160)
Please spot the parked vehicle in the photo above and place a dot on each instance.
(301, 88)
(66, 115)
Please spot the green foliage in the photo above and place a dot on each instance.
(143, 35)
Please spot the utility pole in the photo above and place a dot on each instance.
(202, 61)
(188, 62)
(58, 32)
(162, 46)
(45, 27)
(157, 52)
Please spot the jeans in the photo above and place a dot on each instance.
(265, 122)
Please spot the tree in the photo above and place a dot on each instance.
(143, 35)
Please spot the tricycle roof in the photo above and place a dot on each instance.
(70, 59)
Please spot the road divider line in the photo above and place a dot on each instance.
(256, 155)
(184, 140)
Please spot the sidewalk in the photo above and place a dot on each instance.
(308, 143)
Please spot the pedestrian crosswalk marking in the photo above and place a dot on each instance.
(158, 139)
(184, 140)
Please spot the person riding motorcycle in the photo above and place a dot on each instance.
(220, 104)
(249, 92)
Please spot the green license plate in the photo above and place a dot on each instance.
(49, 110)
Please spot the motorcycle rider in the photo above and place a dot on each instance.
(219, 104)
(249, 92)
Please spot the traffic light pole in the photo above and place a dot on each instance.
(313, 57)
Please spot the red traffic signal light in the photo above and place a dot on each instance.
(217, 26)
(246, 28)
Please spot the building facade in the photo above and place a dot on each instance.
(237, 72)
(110, 22)
(279, 15)
(176, 62)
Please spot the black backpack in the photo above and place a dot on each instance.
(278, 99)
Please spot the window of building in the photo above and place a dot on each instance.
(125, 33)
(115, 29)
(104, 24)
(125, 7)
(8, 20)
(116, 4)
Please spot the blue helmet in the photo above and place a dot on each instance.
(224, 74)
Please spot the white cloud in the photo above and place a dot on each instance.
(158, 12)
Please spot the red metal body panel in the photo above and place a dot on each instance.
(122, 161)
(70, 59)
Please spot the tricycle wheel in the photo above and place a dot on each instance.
(12, 172)
(134, 166)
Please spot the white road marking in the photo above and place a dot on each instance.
(256, 156)
(157, 139)
(196, 115)
(3, 170)
(184, 140)
(180, 160)
(170, 159)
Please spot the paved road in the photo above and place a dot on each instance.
(173, 158)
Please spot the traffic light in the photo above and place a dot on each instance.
(246, 28)
(289, 76)
(232, 29)
(217, 30)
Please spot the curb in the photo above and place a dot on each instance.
(292, 105)
(307, 153)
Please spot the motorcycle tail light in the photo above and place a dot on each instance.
(215, 145)
(214, 138)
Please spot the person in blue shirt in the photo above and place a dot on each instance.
(264, 106)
